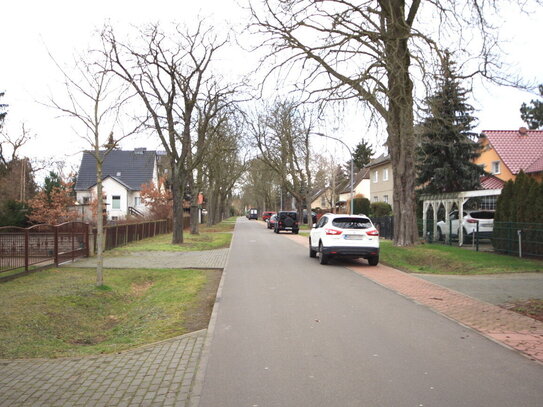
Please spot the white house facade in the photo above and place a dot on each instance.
(124, 172)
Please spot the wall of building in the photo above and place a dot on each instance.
(381, 189)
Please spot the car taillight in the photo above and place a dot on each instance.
(333, 232)
(373, 232)
(471, 221)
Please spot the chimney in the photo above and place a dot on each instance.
(523, 131)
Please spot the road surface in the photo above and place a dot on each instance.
(291, 332)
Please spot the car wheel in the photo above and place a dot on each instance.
(373, 261)
(276, 230)
(323, 258)
(295, 232)
(440, 236)
(312, 253)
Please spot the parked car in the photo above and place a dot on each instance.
(266, 215)
(272, 221)
(345, 236)
(287, 220)
(313, 217)
(485, 218)
(253, 214)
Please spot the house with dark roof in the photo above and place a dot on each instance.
(506, 152)
(123, 174)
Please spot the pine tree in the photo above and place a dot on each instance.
(362, 155)
(533, 114)
(446, 152)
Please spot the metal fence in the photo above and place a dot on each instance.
(513, 238)
(119, 235)
(42, 245)
(519, 239)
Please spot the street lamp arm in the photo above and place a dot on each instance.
(352, 164)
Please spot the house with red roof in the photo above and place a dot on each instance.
(506, 152)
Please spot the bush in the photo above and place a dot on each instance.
(361, 206)
(13, 213)
(519, 207)
(380, 209)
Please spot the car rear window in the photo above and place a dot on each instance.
(352, 223)
(482, 215)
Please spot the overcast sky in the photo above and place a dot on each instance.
(29, 28)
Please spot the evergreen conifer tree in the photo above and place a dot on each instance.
(446, 151)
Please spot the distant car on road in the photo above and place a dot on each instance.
(272, 221)
(347, 236)
(485, 218)
(287, 220)
(266, 215)
(253, 214)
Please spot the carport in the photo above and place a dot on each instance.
(448, 200)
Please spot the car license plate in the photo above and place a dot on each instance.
(354, 237)
(486, 224)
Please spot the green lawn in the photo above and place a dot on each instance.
(212, 237)
(60, 312)
(443, 259)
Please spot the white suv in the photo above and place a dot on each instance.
(350, 236)
(485, 218)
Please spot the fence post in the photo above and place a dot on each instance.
(26, 250)
(72, 237)
(477, 238)
(519, 233)
(87, 244)
(55, 254)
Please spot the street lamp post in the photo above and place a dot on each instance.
(352, 165)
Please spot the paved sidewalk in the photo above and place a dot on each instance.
(516, 331)
(160, 374)
(208, 259)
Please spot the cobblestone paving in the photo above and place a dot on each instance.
(514, 330)
(208, 259)
(156, 375)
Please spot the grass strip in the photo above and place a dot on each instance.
(60, 312)
(443, 259)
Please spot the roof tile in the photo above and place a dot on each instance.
(518, 152)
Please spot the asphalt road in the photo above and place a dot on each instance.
(290, 332)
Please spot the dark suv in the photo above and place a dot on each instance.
(287, 220)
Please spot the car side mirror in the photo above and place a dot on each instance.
(314, 225)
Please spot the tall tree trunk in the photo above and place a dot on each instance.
(99, 219)
(178, 191)
(401, 138)
(194, 221)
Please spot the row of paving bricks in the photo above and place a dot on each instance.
(160, 374)
(516, 331)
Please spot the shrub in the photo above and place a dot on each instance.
(380, 209)
(361, 206)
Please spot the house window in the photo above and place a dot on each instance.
(137, 201)
(375, 198)
(323, 202)
(385, 198)
(86, 200)
(376, 176)
(385, 174)
(115, 202)
(495, 167)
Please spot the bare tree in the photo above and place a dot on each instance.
(95, 101)
(171, 75)
(224, 167)
(282, 136)
(366, 50)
